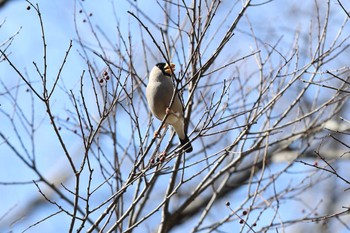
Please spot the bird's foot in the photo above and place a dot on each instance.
(168, 111)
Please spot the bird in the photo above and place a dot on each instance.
(159, 93)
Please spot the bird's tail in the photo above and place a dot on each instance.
(186, 144)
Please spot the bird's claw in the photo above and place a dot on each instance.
(168, 111)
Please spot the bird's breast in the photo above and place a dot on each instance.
(158, 97)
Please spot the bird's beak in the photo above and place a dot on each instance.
(169, 68)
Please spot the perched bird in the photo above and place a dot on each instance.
(159, 93)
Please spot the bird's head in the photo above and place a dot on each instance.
(165, 68)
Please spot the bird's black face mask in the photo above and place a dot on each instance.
(166, 69)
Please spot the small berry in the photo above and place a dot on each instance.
(245, 212)
(241, 221)
(228, 203)
(254, 224)
(28, 8)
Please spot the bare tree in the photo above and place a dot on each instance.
(265, 109)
